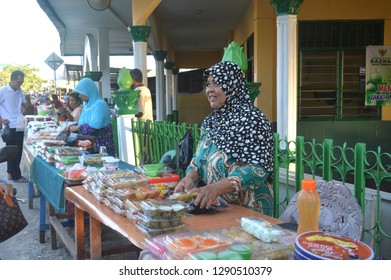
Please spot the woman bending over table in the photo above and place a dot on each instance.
(234, 157)
(95, 116)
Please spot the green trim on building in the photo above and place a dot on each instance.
(286, 7)
(140, 33)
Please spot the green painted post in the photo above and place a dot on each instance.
(276, 176)
(327, 150)
(299, 174)
(359, 177)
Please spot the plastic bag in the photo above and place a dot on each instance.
(6, 133)
(77, 171)
(20, 123)
(186, 149)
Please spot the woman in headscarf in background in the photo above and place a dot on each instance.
(95, 116)
(234, 157)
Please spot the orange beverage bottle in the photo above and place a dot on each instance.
(308, 206)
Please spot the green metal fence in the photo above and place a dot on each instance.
(357, 166)
(354, 165)
(153, 139)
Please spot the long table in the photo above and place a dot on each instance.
(51, 187)
(100, 214)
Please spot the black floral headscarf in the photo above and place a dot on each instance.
(239, 128)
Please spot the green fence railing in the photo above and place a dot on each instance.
(357, 166)
(153, 139)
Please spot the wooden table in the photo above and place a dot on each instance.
(100, 214)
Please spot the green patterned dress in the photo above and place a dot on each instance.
(252, 188)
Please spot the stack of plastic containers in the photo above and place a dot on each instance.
(161, 216)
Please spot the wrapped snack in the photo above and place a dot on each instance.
(150, 223)
(164, 209)
(262, 229)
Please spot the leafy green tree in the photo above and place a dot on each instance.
(31, 79)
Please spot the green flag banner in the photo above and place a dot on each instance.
(378, 76)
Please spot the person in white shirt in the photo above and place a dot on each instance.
(11, 101)
(145, 110)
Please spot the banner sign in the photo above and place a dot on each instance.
(378, 76)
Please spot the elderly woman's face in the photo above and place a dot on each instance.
(216, 96)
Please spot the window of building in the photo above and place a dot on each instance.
(250, 58)
(332, 69)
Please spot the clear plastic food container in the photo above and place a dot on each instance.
(150, 223)
(234, 251)
(262, 229)
(164, 208)
(179, 245)
(159, 231)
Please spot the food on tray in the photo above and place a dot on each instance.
(67, 151)
(262, 229)
(208, 243)
(53, 143)
(125, 182)
(184, 244)
(204, 256)
(188, 242)
(183, 196)
(235, 251)
(243, 250)
(93, 160)
(228, 255)
(151, 223)
(164, 209)
(159, 231)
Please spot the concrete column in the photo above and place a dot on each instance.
(175, 73)
(140, 59)
(159, 59)
(169, 66)
(104, 61)
(286, 11)
(287, 76)
(140, 34)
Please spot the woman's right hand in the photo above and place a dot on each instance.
(185, 185)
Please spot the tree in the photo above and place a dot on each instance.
(31, 79)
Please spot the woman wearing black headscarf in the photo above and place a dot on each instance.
(234, 158)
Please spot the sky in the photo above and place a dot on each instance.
(29, 37)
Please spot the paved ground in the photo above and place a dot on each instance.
(26, 246)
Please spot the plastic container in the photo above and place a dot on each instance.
(111, 164)
(153, 170)
(308, 206)
(177, 246)
(319, 245)
(235, 251)
(164, 209)
(262, 229)
(150, 223)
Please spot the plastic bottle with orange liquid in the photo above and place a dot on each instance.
(308, 206)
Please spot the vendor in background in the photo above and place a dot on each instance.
(56, 102)
(234, 158)
(28, 107)
(75, 104)
(95, 116)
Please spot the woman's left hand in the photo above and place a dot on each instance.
(206, 195)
